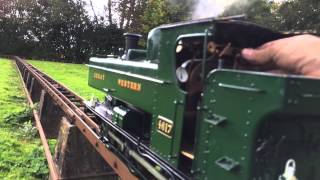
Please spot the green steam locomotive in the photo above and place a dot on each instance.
(189, 107)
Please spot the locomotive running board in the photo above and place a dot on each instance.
(141, 149)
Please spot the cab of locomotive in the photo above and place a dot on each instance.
(240, 122)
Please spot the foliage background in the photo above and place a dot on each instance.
(63, 30)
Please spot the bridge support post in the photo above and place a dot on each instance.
(50, 115)
(35, 90)
(76, 158)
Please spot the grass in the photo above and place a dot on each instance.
(21, 153)
(73, 76)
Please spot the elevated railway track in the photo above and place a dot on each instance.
(36, 84)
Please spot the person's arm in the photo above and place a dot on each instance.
(298, 54)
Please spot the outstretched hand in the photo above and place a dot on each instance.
(298, 54)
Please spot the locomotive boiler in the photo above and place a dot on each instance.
(189, 107)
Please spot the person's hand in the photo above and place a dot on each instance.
(297, 54)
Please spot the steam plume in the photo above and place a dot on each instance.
(213, 8)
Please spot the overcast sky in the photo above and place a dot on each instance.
(99, 5)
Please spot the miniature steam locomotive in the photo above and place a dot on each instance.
(189, 107)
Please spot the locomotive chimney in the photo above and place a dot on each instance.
(131, 41)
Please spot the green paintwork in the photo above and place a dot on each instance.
(248, 100)
(136, 54)
(162, 95)
(236, 110)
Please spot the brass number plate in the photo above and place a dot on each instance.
(165, 126)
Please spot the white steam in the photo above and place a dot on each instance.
(212, 8)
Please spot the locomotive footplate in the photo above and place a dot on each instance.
(139, 157)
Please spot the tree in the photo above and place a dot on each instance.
(109, 9)
(54, 29)
(300, 15)
(262, 12)
(159, 12)
(180, 10)
(63, 30)
(293, 15)
(156, 13)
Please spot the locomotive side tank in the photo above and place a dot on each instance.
(192, 100)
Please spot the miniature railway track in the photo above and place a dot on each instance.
(75, 110)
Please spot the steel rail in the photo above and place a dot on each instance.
(79, 118)
(77, 98)
(52, 168)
